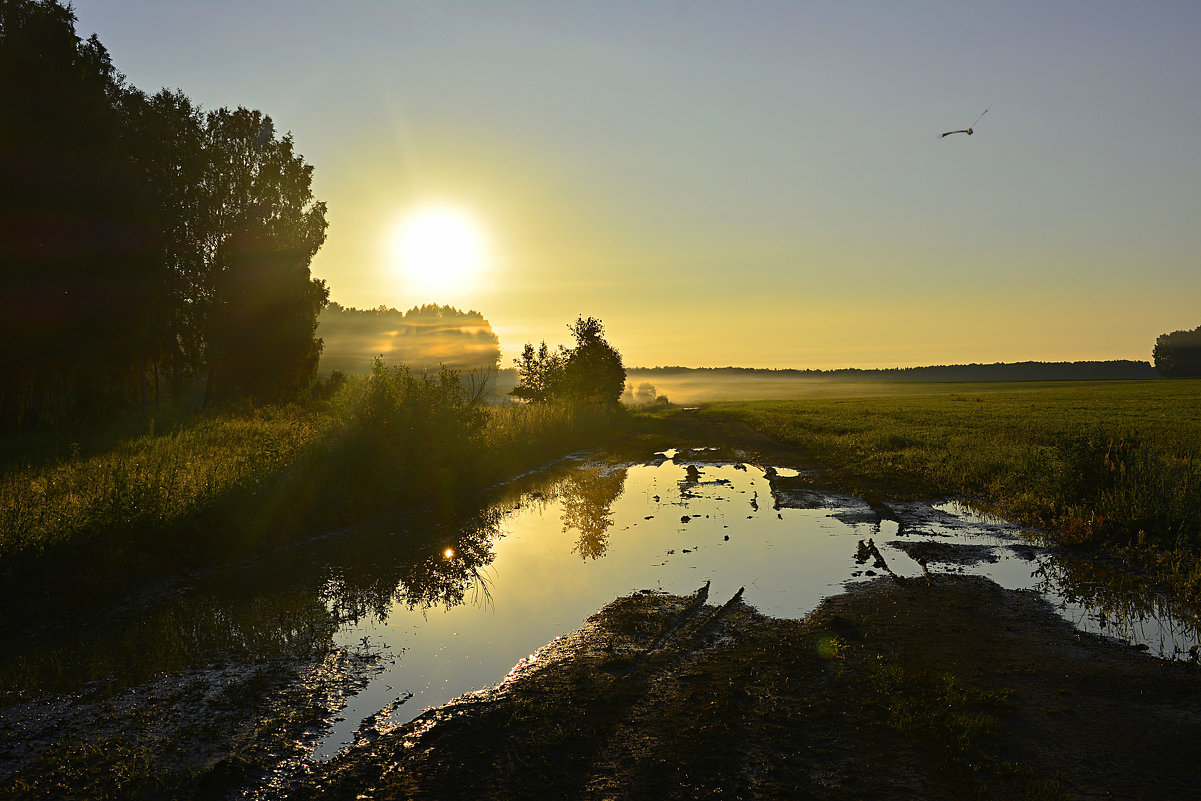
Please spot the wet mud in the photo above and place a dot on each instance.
(946, 688)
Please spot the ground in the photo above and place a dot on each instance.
(952, 688)
(923, 688)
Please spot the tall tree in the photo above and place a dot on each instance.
(74, 220)
(263, 329)
(137, 232)
(166, 132)
(261, 207)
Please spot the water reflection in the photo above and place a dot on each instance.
(1100, 599)
(587, 496)
(417, 613)
(403, 569)
(282, 608)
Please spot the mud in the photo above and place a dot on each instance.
(947, 688)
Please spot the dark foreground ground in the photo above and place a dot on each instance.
(949, 688)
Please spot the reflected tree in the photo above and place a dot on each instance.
(588, 497)
(444, 578)
(385, 569)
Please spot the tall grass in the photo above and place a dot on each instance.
(220, 486)
(1111, 465)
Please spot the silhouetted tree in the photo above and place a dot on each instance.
(591, 372)
(1178, 354)
(263, 340)
(166, 132)
(594, 372)
(540, 373)
(130, 229)
(262, 231)
(77, 248)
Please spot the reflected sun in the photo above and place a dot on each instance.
(440, 250)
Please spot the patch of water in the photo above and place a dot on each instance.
(365, 630)
(605, 531)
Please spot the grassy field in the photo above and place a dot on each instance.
(1114, 465)
(216, 487)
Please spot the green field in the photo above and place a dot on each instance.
(1114, 465)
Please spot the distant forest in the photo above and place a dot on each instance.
(424, 338)
(701, 384)
(999, 371)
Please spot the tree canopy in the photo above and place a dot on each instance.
(591, 372)
(141, 237)
(1178, 354)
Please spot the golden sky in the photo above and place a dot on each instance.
(754, 184)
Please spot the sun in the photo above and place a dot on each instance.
(440, 250)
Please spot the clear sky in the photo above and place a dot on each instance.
(737, 183)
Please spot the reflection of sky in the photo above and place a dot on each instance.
(540, 587)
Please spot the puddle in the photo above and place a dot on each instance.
(605, 531)
(377, 630)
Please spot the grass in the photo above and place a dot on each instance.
(216, 487)
(1112, 465)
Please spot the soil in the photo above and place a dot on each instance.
(946, 688)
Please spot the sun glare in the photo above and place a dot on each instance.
(440, 250)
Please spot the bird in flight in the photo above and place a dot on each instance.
(968, 130)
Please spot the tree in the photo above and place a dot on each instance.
(1178, 354)
(263, 341)
(166, 132)
(263, 228)
(138, 233)
(76, 241)
(594, 372)
(539, 373)
(589, 373)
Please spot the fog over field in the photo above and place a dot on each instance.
(684, 386)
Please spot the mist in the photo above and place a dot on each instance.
(686, 386)
(424, 338)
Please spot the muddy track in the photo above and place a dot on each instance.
(945, 689)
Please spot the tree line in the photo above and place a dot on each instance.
(146, 245)
(997, 371)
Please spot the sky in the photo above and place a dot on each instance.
(759, 184)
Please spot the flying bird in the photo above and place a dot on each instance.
(968, 130)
